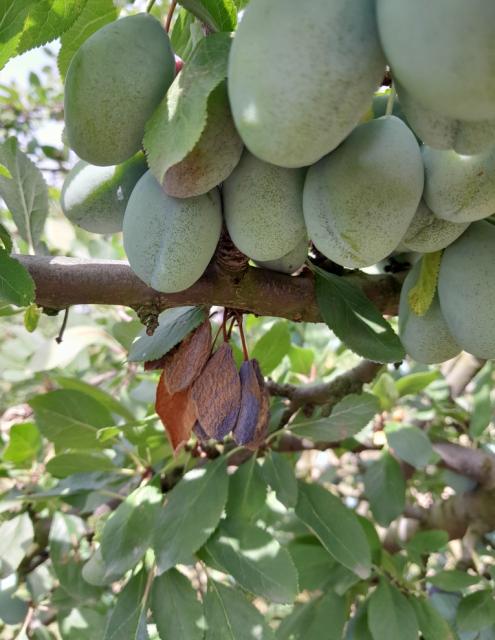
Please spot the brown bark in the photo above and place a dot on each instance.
(62, 282)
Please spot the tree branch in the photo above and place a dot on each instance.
(324, 393)
(473, 463)
(62, 282)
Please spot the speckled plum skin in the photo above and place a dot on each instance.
(170, 241)
(114, 83)
(360, 199)
(297, 87)
(459, 188)
(427, 338)
(442, 53)
(427, 233)
(291, 262)
(263, 208)
(95, 198)
(466, 288)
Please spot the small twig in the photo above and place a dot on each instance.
(25, 625)
(150, 5)
(326, 393)
(238, 317)
(60, 336)
(170, 14)
(147, 588)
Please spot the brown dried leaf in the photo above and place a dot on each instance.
(251, 397)
(186, 362)
(262, 425)
(196, 347)
(176, 411)
(200, 433)
(216, 394)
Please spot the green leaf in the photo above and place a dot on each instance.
(26, 194)
(272, 347)
(48, 20)
(128, 619)
(176, 610)
(70, 419)
(5, 238)
(16, 536)
(128, 533)
(24, 443)
(357, 628)
(256, 561)
(431, 623)
(390, 614)
(482, 404)
(94, 571)
(247, 492)
(16, 285)
(174, 326)
(385, 489)
(191, 514)
(301, 359)
(182, 36)
(13, 610)
(101, 396)
(349, 416)
(385, 390)
(355, 320)
(421, 295)
(279, 473)
(427, 541)
(410, 443)
(69, 462)
(178, 122)
(453, 580)
(229, 616)
(81, 624)
(323, 617)
(220, 15)
(413, 383)
(313, 563)
(12, 17)
(336, 527)
(65, 532)
(476, 611)
(95, 15)
(32, 317)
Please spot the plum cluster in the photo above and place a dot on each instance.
(298, 147)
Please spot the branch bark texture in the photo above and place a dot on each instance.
(62, 282)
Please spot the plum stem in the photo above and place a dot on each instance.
(170, 14)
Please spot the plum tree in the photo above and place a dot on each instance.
(274, 419)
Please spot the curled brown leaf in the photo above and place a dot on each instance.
(176, 411)
(216, 394)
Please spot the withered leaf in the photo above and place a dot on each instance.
(253, 414)
(185, 363)
(216, 394)
(200, 432)
(176, 411)
(192, 346)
